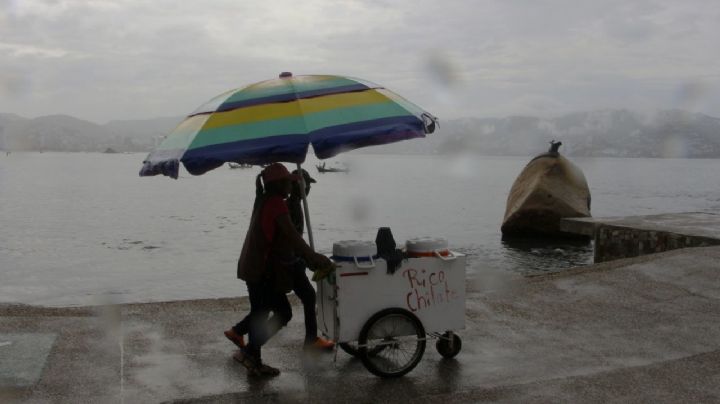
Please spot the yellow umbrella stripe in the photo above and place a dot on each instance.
(268, 112)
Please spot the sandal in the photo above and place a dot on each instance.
(263, 370)
(319, 345)
(235, 338)
(254, 366)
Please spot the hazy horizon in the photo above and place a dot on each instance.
(647, 113)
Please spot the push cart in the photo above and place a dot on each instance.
(384, 314)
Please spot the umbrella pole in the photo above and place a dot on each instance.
(305, 208)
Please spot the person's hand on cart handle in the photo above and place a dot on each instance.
(321, 268)
(319, 261)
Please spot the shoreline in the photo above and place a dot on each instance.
(16, 308)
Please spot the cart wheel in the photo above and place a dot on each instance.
(392, 342)
(350, 347)
(443, 345)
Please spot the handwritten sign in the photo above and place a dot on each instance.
(427, 288)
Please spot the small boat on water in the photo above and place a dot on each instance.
(549, 188)
(323, 169)
(238, 165)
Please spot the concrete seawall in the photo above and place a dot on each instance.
(624, 237)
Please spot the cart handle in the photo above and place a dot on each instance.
(372, 263)
(449, 257)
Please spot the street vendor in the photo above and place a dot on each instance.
(266, 264)
(301, 284)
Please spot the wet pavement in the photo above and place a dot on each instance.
(644, 329)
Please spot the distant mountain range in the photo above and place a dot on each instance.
(606, 133)
(66, 133)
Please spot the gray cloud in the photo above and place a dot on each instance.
(102, 60)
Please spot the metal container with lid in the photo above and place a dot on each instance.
(427, 247)
(355, 251)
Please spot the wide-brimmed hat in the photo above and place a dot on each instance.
(277, 171)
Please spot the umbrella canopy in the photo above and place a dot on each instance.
(276, 120)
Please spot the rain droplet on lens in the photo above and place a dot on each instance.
(442, 69)
(360, 209)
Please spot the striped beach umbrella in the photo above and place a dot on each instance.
(276, 121)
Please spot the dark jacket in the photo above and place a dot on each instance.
(266, 260)
(251, 264)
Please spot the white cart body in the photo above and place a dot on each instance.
(431, 288)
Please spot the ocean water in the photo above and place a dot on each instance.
(84, 228)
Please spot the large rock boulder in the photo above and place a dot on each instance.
(548, 189)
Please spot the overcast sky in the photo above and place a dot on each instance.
(103, 60)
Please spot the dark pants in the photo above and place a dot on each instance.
(304, 290)
(263, 300)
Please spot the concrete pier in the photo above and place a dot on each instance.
(632, 236)
(643, 329)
